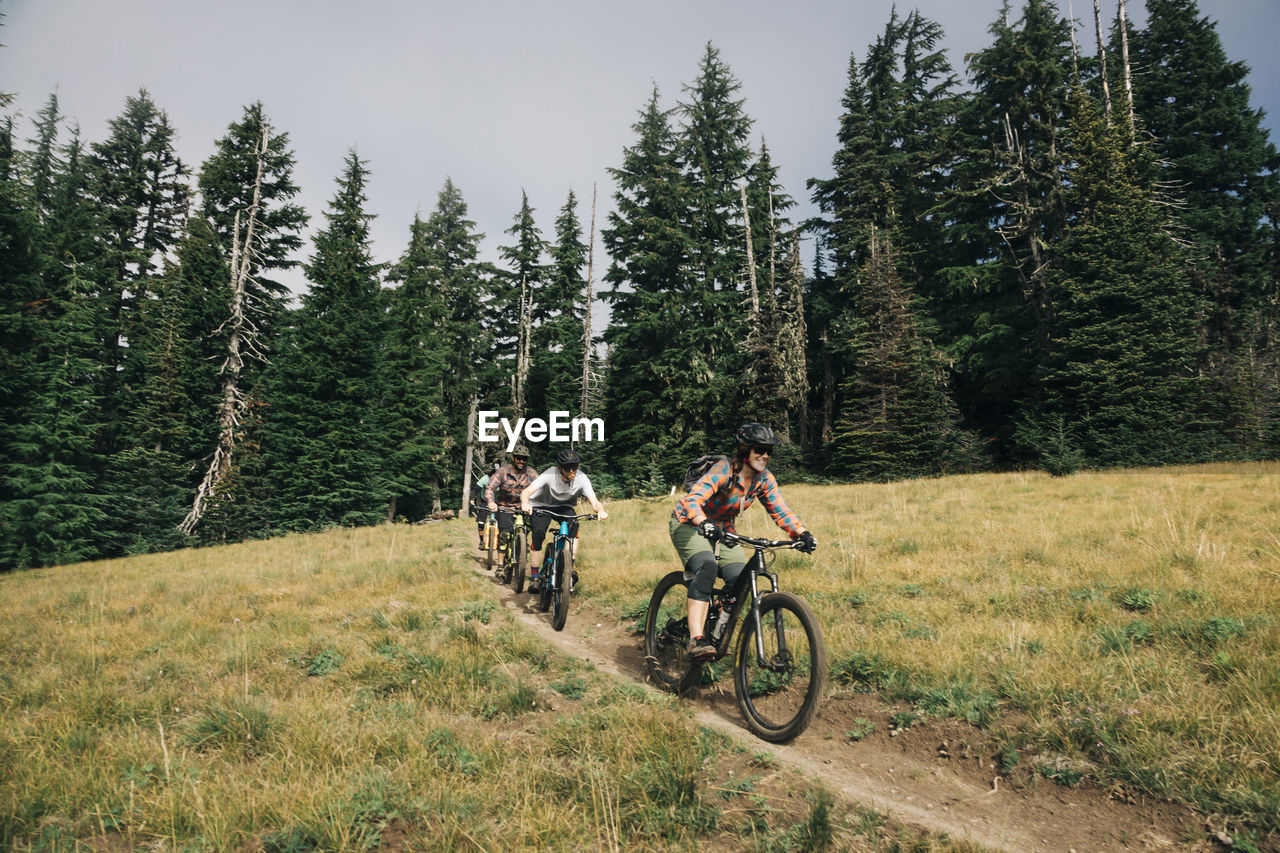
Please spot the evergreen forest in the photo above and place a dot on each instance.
(1045, 258)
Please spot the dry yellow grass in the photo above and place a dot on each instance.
(1133, 617)
(345, 691)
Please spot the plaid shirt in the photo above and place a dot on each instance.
(505, 486)
(723, 497)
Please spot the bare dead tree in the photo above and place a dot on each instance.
(466, 467)
(1124, 58)
(751, 255)
(1102, 60)
(242, 340)
(586, 319)
(523, 337)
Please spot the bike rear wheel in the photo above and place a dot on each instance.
(561, 591)
(666, 636)
(521, 561)
(779, 697)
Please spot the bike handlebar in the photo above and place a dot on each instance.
(590, 516)
(731, 538)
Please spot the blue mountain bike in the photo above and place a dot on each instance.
(557, 568)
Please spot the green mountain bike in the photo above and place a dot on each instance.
(514, 548)
(780, 661)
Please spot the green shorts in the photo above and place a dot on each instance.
(689, 541)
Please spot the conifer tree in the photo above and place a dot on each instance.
(896, 419)
(1120, 385)
(1007, 214)
(227, 181)
(517, 292)
(647, 245)
(556, 366)
(460, 282)
(1218, 165)
(715, 159)
(890, 173)
(141, 190)
(325, 449)
(414, 377)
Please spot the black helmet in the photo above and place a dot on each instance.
(753, 434)
(567, 458)
(520, 450)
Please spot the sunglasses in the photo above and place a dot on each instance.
(762, 450)
(568, 468)
(519, 458)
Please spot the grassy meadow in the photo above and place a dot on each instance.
(355, 690)
(360, 689)
(1119, 626)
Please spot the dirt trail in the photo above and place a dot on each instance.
(937, 776)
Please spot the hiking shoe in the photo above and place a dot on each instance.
(535, 586)
(573, 581)
(701, 649)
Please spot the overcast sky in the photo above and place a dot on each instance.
(499, 95)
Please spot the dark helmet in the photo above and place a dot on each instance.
(752, 434)
(567, 458)
(520, 450)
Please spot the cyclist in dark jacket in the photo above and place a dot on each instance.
(502, 495)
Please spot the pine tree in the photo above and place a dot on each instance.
(555, 371)
(1120, 383)
(890, 175)
(716, 159)
(517, 292)
(647, 245)
(1217, 162)
(140, 188)
(1007, 213)
(324, 447)
(53, 512)
(460, 282)
(415, 374)
(896, 419)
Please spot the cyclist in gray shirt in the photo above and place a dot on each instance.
(557, 490)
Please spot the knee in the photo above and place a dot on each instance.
(703, 568)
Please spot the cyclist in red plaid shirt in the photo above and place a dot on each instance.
(712, 504)
(502, 495)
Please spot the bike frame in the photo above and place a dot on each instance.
(755, 569)
(559, 542)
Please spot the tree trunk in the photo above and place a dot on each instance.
(242, 338)
(466, 471)
(751, 255)
(586, 320)
(1102, 60)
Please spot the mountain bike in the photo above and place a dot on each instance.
(515, 553)
(780, 661)
(557, 575)
(489, 538)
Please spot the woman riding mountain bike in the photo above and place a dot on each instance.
(556, 490)
(713, 503)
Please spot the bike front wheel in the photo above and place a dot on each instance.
(561, 590)
(521, 562)
(666, 636)
(544, 592)
(779, 694)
